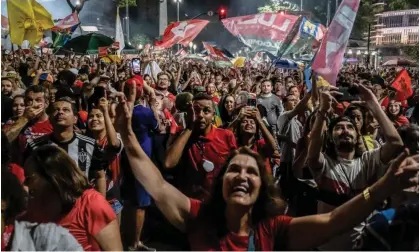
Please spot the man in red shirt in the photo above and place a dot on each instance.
(34, 123)
(202, 149)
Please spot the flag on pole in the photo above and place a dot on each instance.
(403, 85)
(328, 60)
(66, 24)
(27, 21)
(119, 37)
(214, 52)
(181, 33)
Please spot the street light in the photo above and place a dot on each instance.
(358, 52)
(78, 2)
(177, 5)
(190, 46)
(140, 46)
(194, 48)
(350, 52)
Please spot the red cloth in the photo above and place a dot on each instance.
(83, 115)
(173, 124)
(403, 85)
(90, 214)
(401, 120)
(202, 233)
(6, 237)
(34, 131)
(139, 84)
(78, 83)
(18, 171)
(113, 173)
(266, 152)
(217, 145)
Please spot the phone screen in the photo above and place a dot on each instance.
(136, 65)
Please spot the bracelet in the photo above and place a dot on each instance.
(367, 194)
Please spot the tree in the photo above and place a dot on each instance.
(279, 5)
(140, 39)
(412, 51)
(123, 3)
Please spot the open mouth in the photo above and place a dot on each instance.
(240, 189)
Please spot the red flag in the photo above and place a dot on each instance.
(262, 32)
(65, 24)
(403, 85)
(181, 33)
(215, 53)
(171, 119)
(328, 60)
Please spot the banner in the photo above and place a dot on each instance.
(262, 32)
(328, 60)
(306, 40)
(181, 33)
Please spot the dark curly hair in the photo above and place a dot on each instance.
(268, 204)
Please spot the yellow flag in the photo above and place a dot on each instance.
(21, 20)
(28, 19)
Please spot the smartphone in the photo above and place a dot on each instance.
(251, 100)
(99, 92)
(349, 94)
(136, 65)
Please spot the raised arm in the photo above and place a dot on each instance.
(393, 140)
(175, 151)
(311, 231)
(174, 205)
(301, 106)
(314, 157)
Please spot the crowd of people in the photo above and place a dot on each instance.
(184, 155)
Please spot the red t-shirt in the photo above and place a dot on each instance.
(214, 147)
(265, 151)
(18, 171)
(90, 214)
(32, 131)
(202, 233)
(401, 120)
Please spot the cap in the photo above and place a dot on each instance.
(46, 77)
(11, 74)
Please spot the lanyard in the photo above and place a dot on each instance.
(201, 147)
(251, 244)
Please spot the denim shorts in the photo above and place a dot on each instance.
(143, 198)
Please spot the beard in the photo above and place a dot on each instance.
(345, 147)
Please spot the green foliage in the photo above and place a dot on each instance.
(412, 51)
(142, 39)
(123, 3)
(279, 5)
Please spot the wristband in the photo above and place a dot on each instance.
(367, 194)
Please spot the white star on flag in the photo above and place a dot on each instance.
(181, 29)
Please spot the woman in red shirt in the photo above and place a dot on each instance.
(395, 113)
(60, 193)
(242, 213)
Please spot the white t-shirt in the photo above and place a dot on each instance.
(347, 177)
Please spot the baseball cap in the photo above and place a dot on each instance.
(11, 74)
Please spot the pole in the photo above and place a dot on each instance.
(328, 13)
(368, 44)
(301, 5)
(177, 4)
(127, 21)
(337, 6)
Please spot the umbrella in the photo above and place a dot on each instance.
(286, 64)
(400, 62)
(88, 42)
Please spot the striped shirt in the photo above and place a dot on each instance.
(82, 149)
